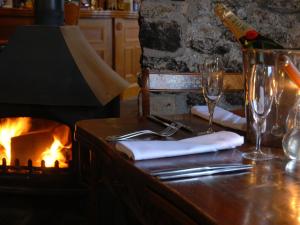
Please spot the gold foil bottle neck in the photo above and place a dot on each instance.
(238, 27)
(220, 10)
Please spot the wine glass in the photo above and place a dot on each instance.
(278, 87)
(212, 85)
(260, 97)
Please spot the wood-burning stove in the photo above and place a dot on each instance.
(40, 80)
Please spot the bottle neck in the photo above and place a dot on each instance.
(238, 27)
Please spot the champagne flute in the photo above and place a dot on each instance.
(212, 85)
(278, 87)
(260, 98)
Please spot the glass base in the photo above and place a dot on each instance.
(293, 168)
(257, 156)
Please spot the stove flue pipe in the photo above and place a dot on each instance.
(49, 12)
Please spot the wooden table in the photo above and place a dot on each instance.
(269, 194)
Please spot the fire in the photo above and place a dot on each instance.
(55, 152)
(17, 140)
(12, 127)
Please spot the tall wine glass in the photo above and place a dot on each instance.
(260, 96)
(212, 85)
(278, 86)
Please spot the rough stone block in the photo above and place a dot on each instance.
(160, 35)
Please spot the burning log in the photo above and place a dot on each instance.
(30, 146)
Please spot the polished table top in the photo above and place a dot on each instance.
(268, 194)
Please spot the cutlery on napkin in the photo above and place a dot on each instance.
(222, 117)
(166, 121)
(141, 149)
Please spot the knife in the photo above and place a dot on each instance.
(199, 169)
(163, 119)
(203, 172)
(153, 118)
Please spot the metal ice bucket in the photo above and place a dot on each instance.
(270, 57)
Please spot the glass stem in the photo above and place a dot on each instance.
(258, 136)
(211, 109)
(277, 114)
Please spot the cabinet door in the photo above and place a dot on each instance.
(99, 34)
(127, 48)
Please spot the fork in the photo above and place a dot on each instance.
(166, 132)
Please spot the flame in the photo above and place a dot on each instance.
(58, 150)
(11, 127)
(55, 152)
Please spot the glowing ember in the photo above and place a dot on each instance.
(12, 127)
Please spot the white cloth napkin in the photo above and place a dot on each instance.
(222, 117)
(139, 149)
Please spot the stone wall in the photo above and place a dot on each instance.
(178, 35)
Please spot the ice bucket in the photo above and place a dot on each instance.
(273, 59)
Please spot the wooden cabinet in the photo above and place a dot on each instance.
(99, 34)
(115, 36)
(12, 18)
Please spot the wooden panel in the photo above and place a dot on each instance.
(131, 31)
(99, 34)
(127, 48)
(99, 14)
(190, 81)
(95, 33)
(151, 81)
(128, 64)
(127, 53)
(101, 52)
(174, 81)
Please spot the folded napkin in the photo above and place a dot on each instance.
(139, 149)
(222, 117)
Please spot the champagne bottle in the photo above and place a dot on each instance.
(250, 38)
(243, 32)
